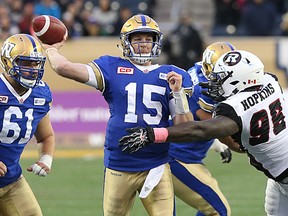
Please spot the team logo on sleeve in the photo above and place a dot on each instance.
(3, 99)
(125, 70)
(39, 101)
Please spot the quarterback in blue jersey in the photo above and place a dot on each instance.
(192, 181)
(24, 107)
(138, 93)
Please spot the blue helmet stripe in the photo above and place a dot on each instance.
(143, 20)
(231, 47)
(33, 42)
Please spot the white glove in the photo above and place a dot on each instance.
(38, 170)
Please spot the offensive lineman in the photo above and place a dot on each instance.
(24, 113)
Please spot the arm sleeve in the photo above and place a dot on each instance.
(92, 78)
(227, 111)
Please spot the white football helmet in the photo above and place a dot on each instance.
(235, 71)
(18, 52)
(140, 23)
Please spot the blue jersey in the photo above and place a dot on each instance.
(194, 152)
(135, 98)
(19, 117)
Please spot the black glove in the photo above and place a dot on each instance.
(138, 138)
(226, 156)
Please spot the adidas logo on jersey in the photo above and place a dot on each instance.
(125, 70)
(3, 99)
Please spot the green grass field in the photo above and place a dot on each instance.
(75, 187)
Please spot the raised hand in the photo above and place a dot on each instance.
(138, 138)
(175, 81)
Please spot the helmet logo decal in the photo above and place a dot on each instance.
(143, 20)
(207, 56)
(33, 43)
(6, 49)
(232, 58)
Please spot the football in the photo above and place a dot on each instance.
(49, 29)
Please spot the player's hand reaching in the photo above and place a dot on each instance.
(42, 166)
(225, 152)
(55, 46)
(137, 139)
(226, 155)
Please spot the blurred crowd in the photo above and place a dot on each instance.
(184, 44)
(250, 18)
(81, 17)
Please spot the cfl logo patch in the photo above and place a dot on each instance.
(125, 70)
(6, 49)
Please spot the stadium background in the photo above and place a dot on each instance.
(79, 116)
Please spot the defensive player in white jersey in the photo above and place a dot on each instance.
(138, 93)
(24, 106)
(253, 109)
(192, 181)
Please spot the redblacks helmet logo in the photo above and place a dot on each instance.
(232, 58)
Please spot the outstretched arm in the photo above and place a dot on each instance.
(62, 66)
(202, 130)
(185, 132)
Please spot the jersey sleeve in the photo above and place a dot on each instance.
(44, 92)
(226, 110)
(202, 101)
(101, 70)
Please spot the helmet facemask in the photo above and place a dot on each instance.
(27, 71)
(140, 24)
(214, 85)
(234, 72)
(129, 52)
(23, 60)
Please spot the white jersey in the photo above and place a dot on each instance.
(262, 117)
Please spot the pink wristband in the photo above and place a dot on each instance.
(161, 135)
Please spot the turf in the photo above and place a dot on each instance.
(75, 187)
